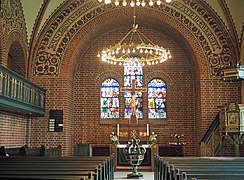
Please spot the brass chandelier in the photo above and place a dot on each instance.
(134, 46)
(133, 3)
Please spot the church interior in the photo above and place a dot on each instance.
(62, 86)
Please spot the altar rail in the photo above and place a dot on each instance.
(20, 95)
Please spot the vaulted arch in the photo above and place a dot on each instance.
(66, 51)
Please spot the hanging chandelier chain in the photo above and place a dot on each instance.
(134, 25)
(139, 32)
(134, 16)
(120, 42)
(134, 49)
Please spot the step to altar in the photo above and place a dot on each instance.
(123, 175)
(129, 168)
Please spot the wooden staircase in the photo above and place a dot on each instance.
(209, 167)
(212, 140)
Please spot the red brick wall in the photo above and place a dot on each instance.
(192, 102)
(228, 150)
(58, 96)
(13, 130)
(176, 72)
(16, 59)
(193, 96)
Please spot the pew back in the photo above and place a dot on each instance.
(99, 168)
(209, 167)
(26, 151)
(13, 151)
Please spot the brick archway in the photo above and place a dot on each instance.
(63, 45)
(16, 59)
(81, 55)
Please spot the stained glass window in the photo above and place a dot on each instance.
(110, 98)
(133, 70)
(156, 99)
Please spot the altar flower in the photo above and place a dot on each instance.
(114, 139)
(152, 138)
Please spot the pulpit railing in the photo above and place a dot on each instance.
(228, 127)
(19, 94)
(212, 140)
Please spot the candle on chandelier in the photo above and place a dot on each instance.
(147, 129)
(117, 129)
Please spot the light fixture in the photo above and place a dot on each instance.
(133, 3)
(134, 46)
(234, 73)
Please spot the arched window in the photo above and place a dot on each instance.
(157, 99)
(110, 98)
(133, 70)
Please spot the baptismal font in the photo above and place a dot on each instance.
(134, 149)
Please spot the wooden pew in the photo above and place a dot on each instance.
(38, 151)
(209, 167)
(58, 168)
(13, 151)
(26, 151)
(48, 170)
(166, 171)
(53, 151)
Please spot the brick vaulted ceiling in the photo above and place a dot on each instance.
(233, 10)
(185, 21)
(39, 15)
(67, 32)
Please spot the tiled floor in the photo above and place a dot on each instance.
(123, 175)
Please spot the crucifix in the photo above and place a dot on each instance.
(133, 89)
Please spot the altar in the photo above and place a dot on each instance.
(127, 130)
(123, 163)
(139, 131)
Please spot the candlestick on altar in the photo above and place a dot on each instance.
(147, 129)
(117, 129)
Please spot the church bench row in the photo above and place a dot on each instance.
(83, 176)
(205, 159)
(99, 168)
(165, 171)
(26, 151)
(52, 160)
(92, 172)
(58, 177)
(45, 165)
(209, 168)
(92, 150)
(206, 176)
(103, 171)
(55, 159)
